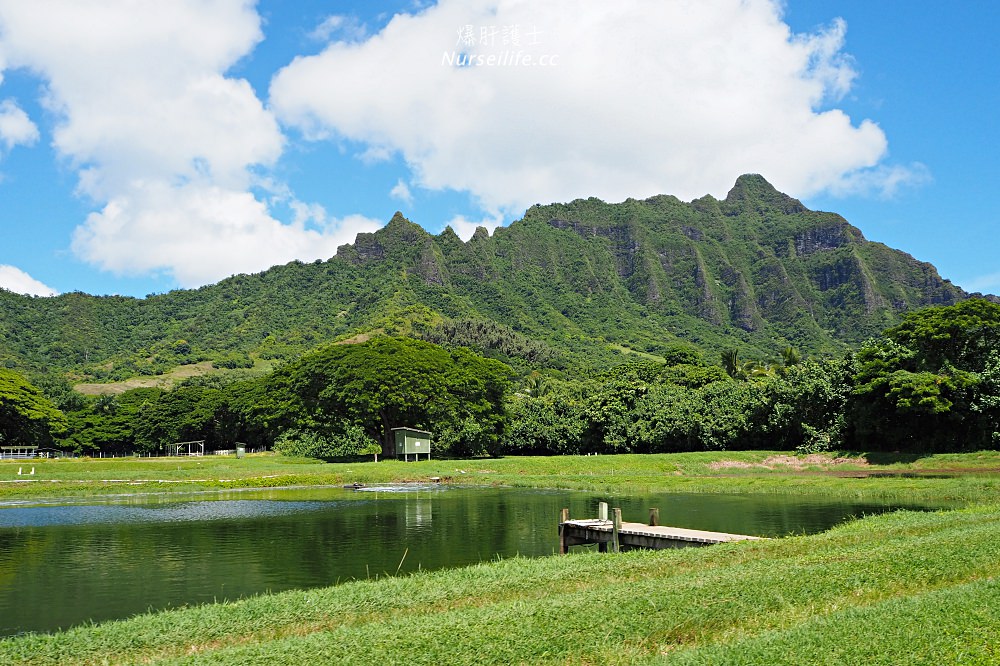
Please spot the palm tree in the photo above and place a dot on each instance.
(731, 363)
(535, 385)
(790, 357)
(106, 404)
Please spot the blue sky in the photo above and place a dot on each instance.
(151, 146)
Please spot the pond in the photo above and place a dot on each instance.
(63, 565)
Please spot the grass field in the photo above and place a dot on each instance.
(963, 477)
(908, 587)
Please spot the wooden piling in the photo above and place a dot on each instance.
(616, 529)
(602, 514)
(563, 519)
(654, 517)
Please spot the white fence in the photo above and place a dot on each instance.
(97, 455)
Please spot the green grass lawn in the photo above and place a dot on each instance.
(968, 477)
(908, 587)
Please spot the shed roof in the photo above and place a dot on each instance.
(422, 432)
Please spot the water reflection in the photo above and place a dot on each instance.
(63, 565)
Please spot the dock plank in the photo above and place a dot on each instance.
(639, 535)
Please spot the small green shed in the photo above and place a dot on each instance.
(411, 442)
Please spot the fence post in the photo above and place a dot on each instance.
(563, 518)
(616, 527)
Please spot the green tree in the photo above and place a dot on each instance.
(181, 415)
(26, 416)
(108, 423)
(349, 440)
(807, 405)
(395, 382)
(929, 383)
(731, 363)
(550, 424)
(790, 358)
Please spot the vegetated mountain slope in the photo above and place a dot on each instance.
(569, 284)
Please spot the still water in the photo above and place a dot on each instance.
(64, 565)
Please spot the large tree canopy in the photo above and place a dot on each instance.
(26, 416)
(933, 382)
(392, 382)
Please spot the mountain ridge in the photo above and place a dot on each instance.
(574, 283)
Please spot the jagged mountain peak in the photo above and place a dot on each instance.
(752, 192)
(400, 226)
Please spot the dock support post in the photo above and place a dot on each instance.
(602, 514)
(654, 517)
(563, 518)
(616, 527)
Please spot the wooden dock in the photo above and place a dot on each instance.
(614, 535)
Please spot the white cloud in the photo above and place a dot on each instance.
(884, 181)
(202, 233)
(15, 280)
(347, 27)
(165, 143)
(630, 98)
(139, 87)
(401, 192)
(15, 126)
(465, 227)
(827, 63)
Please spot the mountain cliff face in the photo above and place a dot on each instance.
(582, 281)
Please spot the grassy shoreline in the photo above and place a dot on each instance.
(908, 587)
(955, 477)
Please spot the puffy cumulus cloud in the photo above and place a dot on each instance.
(203, 233)
(883, 181)
(165, 143)
(401, 192)
(15, 280)
(15, 126)
(521, 102)
(139, 87)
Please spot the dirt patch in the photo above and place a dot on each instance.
(358, 339)
(732, 464)
(167, 380)
(813, 459)
(790, 462)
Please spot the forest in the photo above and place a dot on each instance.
(928, 384)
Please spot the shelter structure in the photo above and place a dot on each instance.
(195, 448)
(19, 451)
(411, 442)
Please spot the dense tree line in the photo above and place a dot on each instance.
(27, 417)
(931, 383)
(643, 408)
(339, 401)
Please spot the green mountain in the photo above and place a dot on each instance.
(581, 284)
